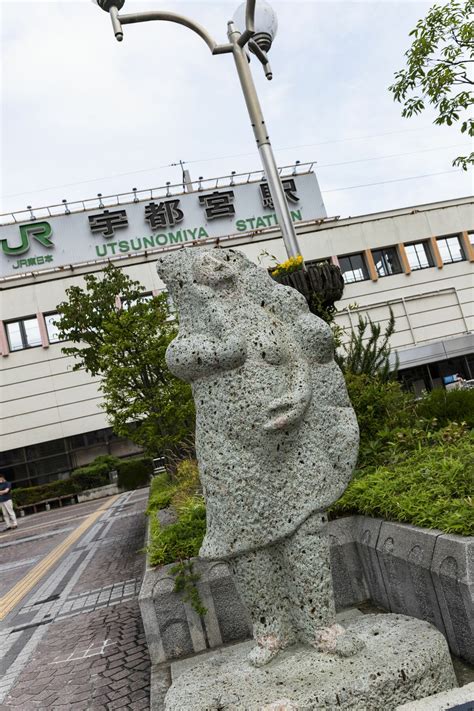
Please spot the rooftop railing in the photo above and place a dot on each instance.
(66, 207)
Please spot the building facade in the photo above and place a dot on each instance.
(416, 261)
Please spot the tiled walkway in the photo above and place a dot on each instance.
(76, 641)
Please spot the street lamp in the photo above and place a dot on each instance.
(252, 26)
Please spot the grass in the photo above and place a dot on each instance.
(433, 487)
(180, 540)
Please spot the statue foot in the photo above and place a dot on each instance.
(335, 640)
(265, 650)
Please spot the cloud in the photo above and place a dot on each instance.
(77, 105)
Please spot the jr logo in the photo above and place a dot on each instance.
(40, 231)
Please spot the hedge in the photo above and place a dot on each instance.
(134, 473)
(93, 475)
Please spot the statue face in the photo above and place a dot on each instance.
(211, 269)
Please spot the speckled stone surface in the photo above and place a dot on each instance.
(276, 436)
(403, 659)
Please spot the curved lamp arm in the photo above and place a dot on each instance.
(180, 20)
(249, 31)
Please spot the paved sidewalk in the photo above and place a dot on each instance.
(76, 641)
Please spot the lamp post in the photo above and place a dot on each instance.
(259, 28)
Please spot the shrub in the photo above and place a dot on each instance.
(91, 476)
(448, 406)
(161, 493)
(32, 494)
(431, 488)
(134, 473)
(180, 540)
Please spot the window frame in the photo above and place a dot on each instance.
(445, 238)
(45, 318)
(397, 256)
(428, 253)
(365, 269)
(23, 334)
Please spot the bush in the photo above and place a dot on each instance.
(161, 493)
(134, 473)
(180, 540)
(431, 488)
(91, 476)
(448, 406)
(32, 494)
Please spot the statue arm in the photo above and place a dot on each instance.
(190, 357)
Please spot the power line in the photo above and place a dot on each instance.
(228, 157)
(384, 182)
(391, 155)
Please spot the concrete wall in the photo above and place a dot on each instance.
(403, 569)
(41, 399)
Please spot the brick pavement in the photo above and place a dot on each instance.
(78, 641)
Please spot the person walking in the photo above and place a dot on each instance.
(7, 504)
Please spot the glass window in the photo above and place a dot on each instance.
(126, 303)
(386, 261)
(50, 465)
(353, 268)
(450, 249)
(12, 456)
(471, 238)
(45, 449)
(52, 329)
(419, 255)
(23, 334)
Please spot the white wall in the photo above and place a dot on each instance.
(42, 399)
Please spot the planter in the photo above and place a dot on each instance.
(98, 493)
(422, 573)
(323, 280)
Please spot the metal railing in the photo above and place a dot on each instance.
(66, 207)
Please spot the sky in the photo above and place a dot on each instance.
(82, 114)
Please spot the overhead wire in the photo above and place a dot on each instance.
(241, 155)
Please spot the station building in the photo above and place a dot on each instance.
(416, 261)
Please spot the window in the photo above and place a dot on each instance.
(419, 255)
(23, 334)
(52, 329)
(353, 268)
(386, 261)
(450, 249)
(126, 303)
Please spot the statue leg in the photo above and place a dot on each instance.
(310, 587)
(259, 577)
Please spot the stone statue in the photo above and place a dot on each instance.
(276, 439)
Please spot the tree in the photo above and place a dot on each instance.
(369, 354)
(437, 70)
(126, 347)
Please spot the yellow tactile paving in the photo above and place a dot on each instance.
(18, 592)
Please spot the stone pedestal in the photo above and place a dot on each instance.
(404, 659)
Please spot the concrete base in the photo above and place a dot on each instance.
(461, 699)
(404, 659)
(98, 493)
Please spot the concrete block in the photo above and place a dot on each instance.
(403, 659)
(366, 533)
(453, 575)
(173, 628)
(461, 699)
(98, 493)
(405, 554)
(349, 582)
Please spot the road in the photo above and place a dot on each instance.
(71, 635)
